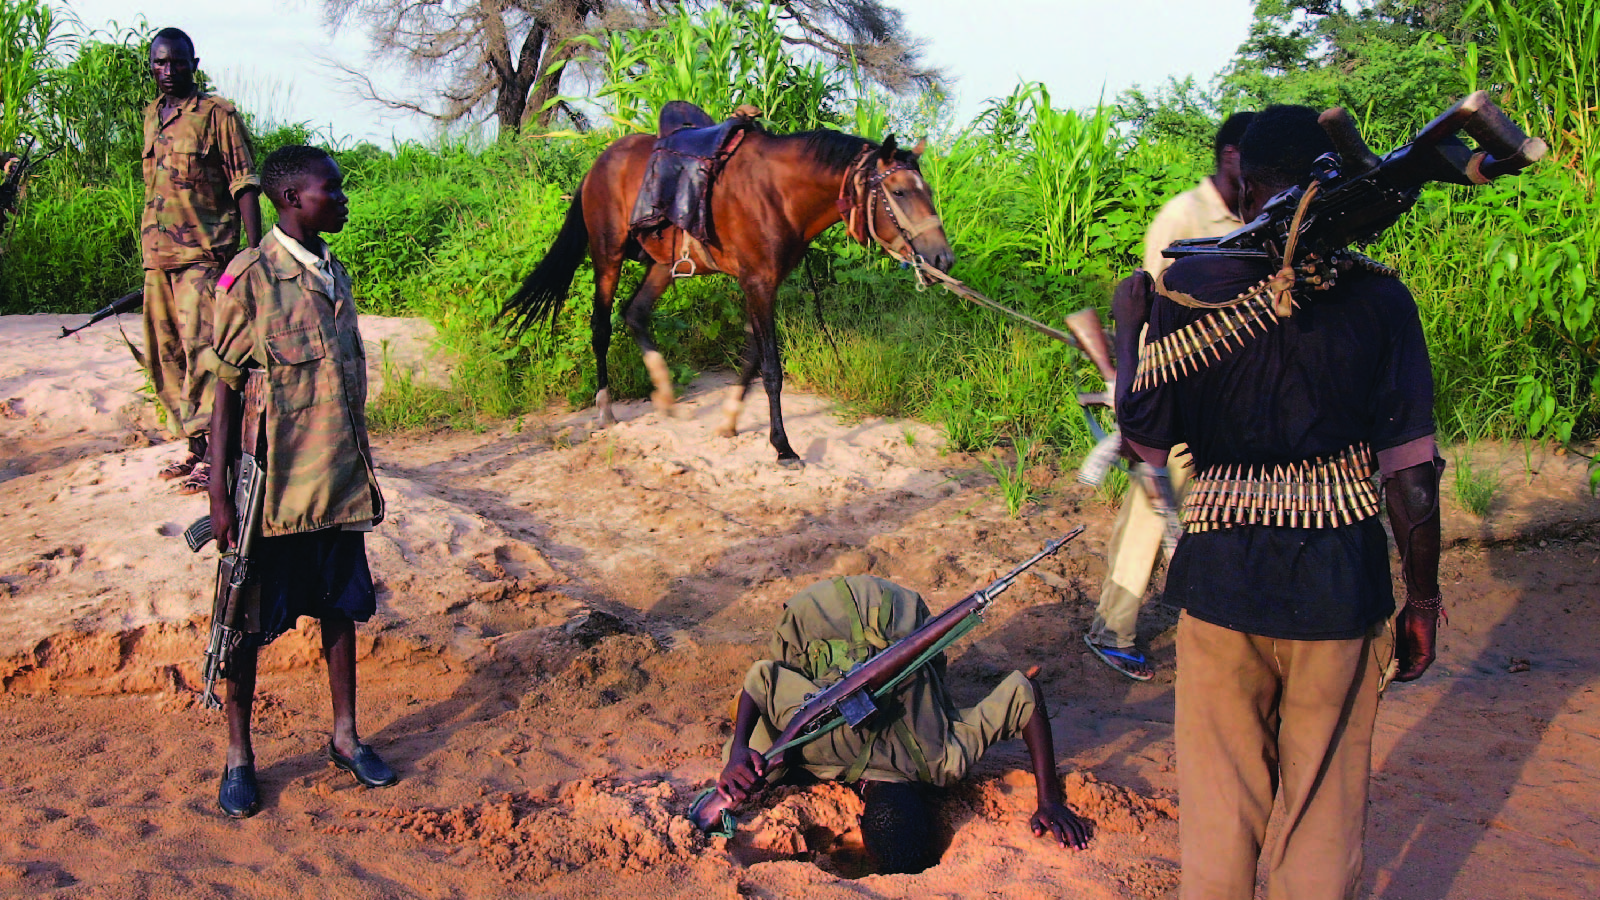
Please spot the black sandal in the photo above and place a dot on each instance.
(239, 795)
(367, 766)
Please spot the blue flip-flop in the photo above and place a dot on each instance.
(1122, 660)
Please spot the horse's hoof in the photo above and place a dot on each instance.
(606, 420)
(791, 462)
(727, 432)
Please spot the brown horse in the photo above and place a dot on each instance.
(775, 195)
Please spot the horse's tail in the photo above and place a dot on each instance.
(545, 289)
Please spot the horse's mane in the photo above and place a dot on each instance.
(835, 149)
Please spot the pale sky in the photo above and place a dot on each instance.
(267, 54)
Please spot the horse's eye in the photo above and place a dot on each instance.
(898, 193)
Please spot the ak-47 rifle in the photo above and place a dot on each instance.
(850, 700)
(233, 566)
(1355, 196)
(128, 302)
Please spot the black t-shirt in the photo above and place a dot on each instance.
(1350, 366)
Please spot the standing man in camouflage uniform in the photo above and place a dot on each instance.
(199, 187)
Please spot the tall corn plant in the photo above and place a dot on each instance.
(97, 105)
(1548, 56)
(717, 59)
(1544, 261)
(1027, 184)
(1072, 176)
(29, 40)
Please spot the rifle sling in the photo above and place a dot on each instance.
(908, 739)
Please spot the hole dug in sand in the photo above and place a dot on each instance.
(821, 823)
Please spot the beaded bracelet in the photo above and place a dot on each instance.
(1435, 604)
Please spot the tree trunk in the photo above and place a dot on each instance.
(510, 103)
(549, 86)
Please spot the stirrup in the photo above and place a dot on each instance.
(682, 261)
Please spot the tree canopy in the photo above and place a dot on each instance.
(508, 58)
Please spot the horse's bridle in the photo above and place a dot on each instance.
(856, 194)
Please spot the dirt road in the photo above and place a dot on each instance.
(564, 617)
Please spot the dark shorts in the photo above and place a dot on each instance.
(322, 574)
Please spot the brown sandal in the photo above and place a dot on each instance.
(199, 480)
(178, 469)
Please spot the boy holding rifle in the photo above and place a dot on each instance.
(287, 307)
(921, 738)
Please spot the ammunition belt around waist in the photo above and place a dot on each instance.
(1327, 492)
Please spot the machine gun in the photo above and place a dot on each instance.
(1355, 196)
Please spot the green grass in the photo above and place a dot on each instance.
(1011, 478)
(1475, 488)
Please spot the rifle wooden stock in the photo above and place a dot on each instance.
(876, 672)
(1091, 336)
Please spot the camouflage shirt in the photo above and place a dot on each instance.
(272, 311)
(195, 164)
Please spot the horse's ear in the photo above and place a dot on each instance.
(922, 144)
(888, 148)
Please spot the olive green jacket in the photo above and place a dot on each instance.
(919, 735)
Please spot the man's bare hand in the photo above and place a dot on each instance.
(744, 771)
(224, 521)
(1415, 636)
(1055, 820)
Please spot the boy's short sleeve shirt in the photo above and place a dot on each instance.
(272, 312)
(195, 164)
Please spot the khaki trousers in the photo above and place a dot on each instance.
(177, 324)
(1131, 557)
(1260, 720)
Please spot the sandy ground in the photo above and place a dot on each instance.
(564, 616)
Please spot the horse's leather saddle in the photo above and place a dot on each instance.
(690, 151)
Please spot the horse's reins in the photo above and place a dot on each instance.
(860, 222)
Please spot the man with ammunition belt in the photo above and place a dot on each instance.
(1283, 571)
